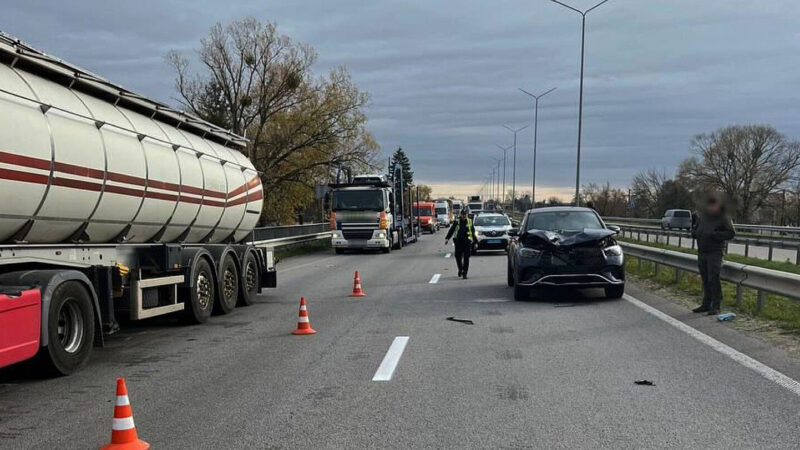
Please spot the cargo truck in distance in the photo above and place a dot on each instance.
(366, 213)
(112, 206)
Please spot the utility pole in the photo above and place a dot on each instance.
(503, 193)
(580, 96)
(514, 168)
(535, 135)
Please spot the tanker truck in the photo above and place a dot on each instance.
(113, 206)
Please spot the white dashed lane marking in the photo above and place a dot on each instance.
(389, 363)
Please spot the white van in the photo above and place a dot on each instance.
(444, 212)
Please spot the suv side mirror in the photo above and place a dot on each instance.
(614, 228)
(513, 232)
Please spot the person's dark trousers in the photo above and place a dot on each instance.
(710, 265)
(462, 256)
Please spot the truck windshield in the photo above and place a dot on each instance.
(563, 221)
(357, 200)
(441, 211)
(476, 206)
(422, 211)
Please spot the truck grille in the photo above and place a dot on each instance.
(357, 234)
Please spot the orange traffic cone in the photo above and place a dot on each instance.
(123, 431)
(357, 291)
(303, 325)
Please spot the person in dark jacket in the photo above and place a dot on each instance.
(711, 229)
(463, 235)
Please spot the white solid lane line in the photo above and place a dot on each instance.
(435, 278)
(389, 363)
(760, 368)
(447, 255)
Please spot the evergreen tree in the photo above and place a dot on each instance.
(399, 157)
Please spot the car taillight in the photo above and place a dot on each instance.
(333, 221)
(383, 224)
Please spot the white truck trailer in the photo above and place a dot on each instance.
(113, 204)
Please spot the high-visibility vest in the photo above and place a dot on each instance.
(469, 229)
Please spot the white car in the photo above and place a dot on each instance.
(491, 229)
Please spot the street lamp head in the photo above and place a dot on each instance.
(515, 131)
(583, 13)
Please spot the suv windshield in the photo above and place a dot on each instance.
(682, 214)
(422, 211)
(491, 221)
(563, 221)
(357, 200)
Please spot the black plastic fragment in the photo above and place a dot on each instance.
(644, 383)
(465, 321)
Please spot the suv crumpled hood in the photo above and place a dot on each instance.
(566, 239)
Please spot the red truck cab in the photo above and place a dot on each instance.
(20, 323)
(426, 211)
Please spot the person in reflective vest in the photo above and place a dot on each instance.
(463, 235)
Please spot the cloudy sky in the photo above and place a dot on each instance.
(443, 74)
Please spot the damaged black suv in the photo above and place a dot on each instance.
(565, 246)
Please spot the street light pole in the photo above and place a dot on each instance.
(535, 135)
(580, 95)
(503, 193)
(514, 167)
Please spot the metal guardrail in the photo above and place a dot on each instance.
(288, 235)
(758, 278)
(770, 244)
(268, 233)
(760, 229)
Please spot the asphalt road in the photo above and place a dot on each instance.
(554, 372)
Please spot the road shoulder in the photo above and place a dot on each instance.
(752, 343)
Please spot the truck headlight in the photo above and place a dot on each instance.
(336, 234)
(529, 252)
(614, 250)
(381, 235)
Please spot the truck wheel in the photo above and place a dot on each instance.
(339, 251)
(70, 329)
(200, 301)
(510, 276)
(228, 286)
(251, 280)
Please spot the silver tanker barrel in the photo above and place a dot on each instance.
(83, 160)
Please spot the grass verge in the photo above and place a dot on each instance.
(781, 313)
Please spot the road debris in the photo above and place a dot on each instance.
(465, 321)
(644, 383)
(726, 317)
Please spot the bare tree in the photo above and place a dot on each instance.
(646, 190)
(258, 82)
(606, 200)
(746, 163)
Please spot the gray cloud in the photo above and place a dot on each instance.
(444, 75)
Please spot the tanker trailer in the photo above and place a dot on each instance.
(113, 204)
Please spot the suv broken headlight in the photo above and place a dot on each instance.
(614, 250)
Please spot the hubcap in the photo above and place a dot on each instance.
(203, 290)
(230, 283)
(70, 326)
(250, 277)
